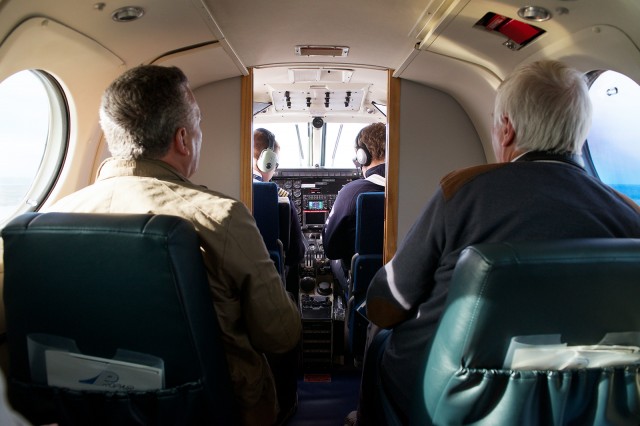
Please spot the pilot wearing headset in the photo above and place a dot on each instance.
(265, 155)
(339, 232)
(265, 163)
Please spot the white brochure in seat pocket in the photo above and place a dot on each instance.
(77, 371)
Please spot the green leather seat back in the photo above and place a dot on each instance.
(580, 289)
(109, 282)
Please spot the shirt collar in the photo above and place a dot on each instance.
(552, 157)
(519, 156)
(375, 170)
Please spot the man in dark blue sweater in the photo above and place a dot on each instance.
(537, 190)
(339, 232)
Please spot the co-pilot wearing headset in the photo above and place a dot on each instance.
(339, 232)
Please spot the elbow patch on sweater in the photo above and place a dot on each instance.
(384, 313)
(455, 180)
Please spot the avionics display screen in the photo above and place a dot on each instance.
(314, 217)
(316, 205)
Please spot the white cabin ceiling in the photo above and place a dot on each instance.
(217, 39)
(167, 25)
(459, 39)
(260, 32)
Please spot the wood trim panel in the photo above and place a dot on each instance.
(246, 140)
(393, 161)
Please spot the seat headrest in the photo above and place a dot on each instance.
(369, 223)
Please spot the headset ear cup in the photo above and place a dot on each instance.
(362, 156)
(267, 160)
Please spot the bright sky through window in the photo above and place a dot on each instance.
(24, 127)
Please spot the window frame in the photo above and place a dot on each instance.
(55, 149)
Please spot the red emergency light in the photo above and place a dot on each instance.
(517, 31)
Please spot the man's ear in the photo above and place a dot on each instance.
(507, 133)
(179, 142)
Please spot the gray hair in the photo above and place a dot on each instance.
(143, 108)
(548, 105)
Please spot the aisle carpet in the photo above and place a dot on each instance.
(326, 399)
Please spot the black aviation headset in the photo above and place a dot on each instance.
(363, 156)
(268, 159)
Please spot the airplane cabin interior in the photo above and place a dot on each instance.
(314, 74)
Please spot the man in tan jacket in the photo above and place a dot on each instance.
(151, 123)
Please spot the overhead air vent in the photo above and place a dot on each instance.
(127, 14)
(534, 13)
(320, 74)
(335, 51)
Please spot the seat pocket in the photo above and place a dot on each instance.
(533, 397)
(41, 404)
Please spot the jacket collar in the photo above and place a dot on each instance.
(115, 167)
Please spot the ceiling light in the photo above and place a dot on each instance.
(127, 14)
(534, 13)
(321, 51)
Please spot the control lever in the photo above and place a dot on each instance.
(309, 256)
(320, 253)
(315, 252)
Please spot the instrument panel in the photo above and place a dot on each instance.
(313, 191)
(321, 304)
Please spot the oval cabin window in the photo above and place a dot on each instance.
(613, 144)
(33, 140)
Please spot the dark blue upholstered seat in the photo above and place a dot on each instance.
(364, 264)
(110, 282)
(266, 212)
